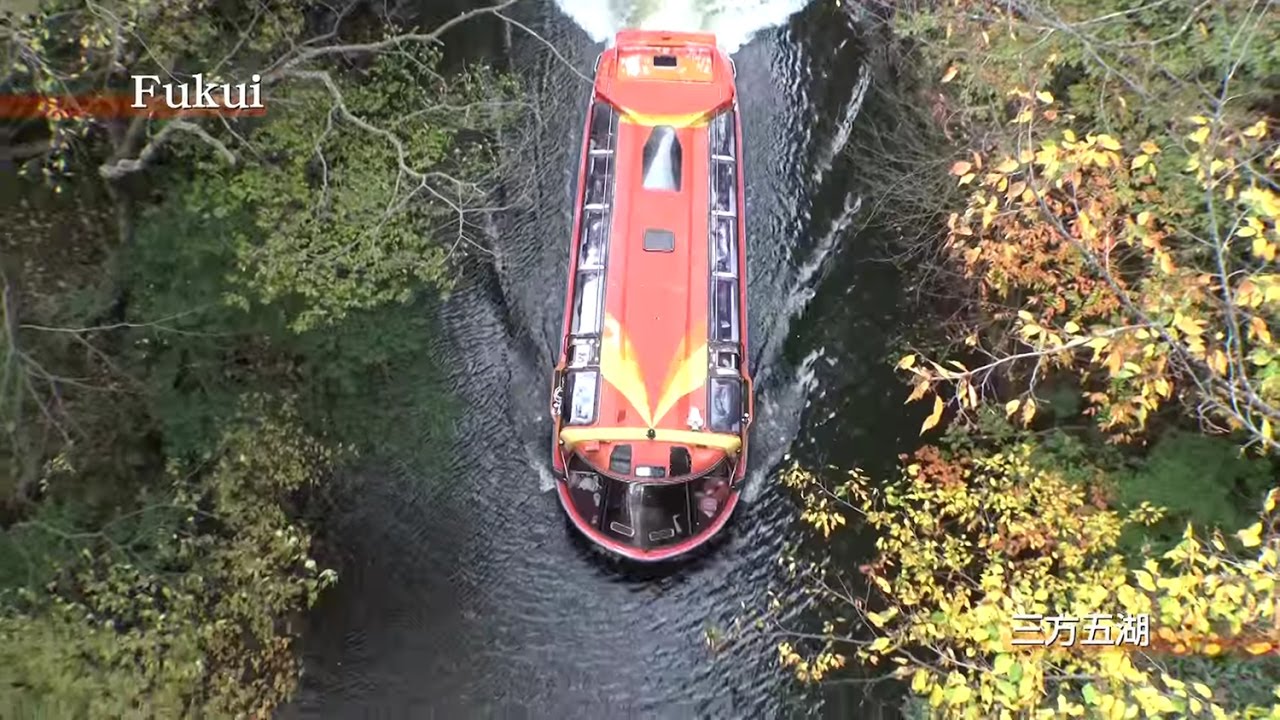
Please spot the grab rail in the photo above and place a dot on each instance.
(572, 436)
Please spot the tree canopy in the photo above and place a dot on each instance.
(200, 317)
(1102, 361)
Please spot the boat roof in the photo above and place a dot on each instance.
(699, 83)
(665, 87)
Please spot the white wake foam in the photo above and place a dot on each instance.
(733, 21)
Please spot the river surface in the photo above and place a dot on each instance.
(463, 591)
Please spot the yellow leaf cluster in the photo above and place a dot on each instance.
(1051, 226)
(809, 670)
(965, 545)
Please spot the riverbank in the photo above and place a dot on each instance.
(1095, 364)
(205, 324)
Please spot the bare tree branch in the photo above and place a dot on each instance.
(124, 166)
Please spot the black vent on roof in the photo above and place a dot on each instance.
(620, 460)
(659, 240)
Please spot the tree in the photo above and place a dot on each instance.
(182, 607)
(1115, 241)
(1105, 237)
(1083, 264)
(178, 381)
(365, 185)
(968, 542)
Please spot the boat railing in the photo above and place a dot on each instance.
(582, 376)
(573, 436)
(725, 391)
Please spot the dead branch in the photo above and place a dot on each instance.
(124, 166)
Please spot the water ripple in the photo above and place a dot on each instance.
(464, 592)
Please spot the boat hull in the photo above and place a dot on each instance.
(651, 397)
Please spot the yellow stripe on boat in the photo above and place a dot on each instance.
(687, 373)
(694, 120)
(618, 365)
(572, 436)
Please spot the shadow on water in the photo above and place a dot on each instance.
(463, 591)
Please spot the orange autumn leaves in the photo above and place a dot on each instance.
(1143, 268)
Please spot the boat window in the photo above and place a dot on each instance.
(725, 313)
(620, 460)
(621, 509)
(594, 230)
(601, 134)
(652, 515)
(584, 352)
(681, 462)
(726, 404)
(664, 513)
(586, 491)
(598, 179)
(582, 397)
(723, 141)
(708, 496)
(724, 187)
(659, 240)
(727, 361)
(662, 159)
(586, 304)
(726, 246)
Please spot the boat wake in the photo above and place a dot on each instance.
(733, 21)
(777, 423)
(844, 127)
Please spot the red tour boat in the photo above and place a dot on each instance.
(651, 396)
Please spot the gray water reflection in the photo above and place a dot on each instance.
(464, 593)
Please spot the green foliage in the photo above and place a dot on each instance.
(1252, 682)
(371, 382)
(347, 218)
(195, 618)
(1194, 478)
(196, 351)
(1197, 479)
(194, 368)
(364, 379)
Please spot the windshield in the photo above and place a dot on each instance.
(649, 515)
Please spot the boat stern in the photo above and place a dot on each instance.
(648, 520)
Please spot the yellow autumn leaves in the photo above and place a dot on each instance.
(935, 416)
(806, 669)
(959, 559)
(1080, 212)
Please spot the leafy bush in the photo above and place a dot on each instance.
(1197, 479)
(196, 617)
(967, 543)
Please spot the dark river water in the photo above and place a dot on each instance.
(464, 593)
